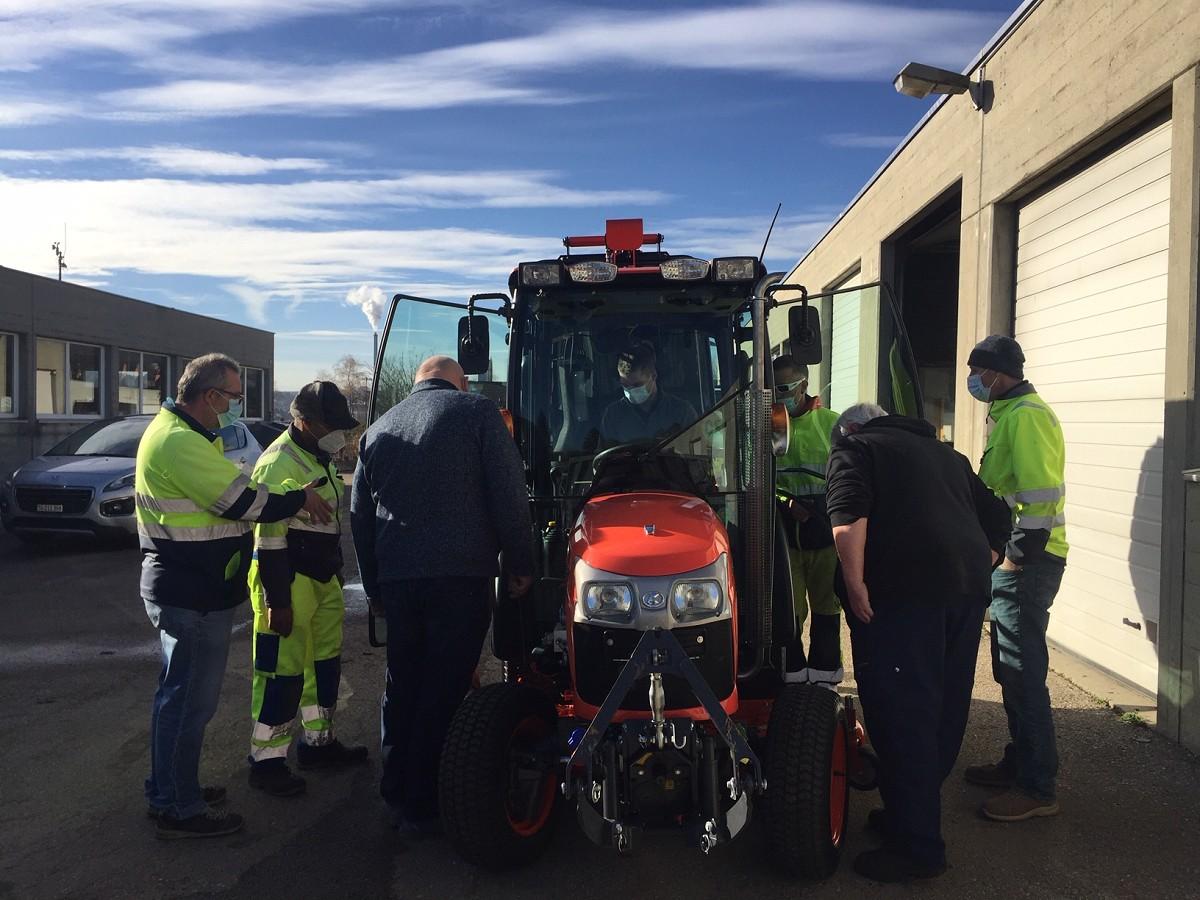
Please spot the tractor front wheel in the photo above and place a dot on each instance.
(807, 785)
(498, 779)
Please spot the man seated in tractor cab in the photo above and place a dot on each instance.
(646, 411)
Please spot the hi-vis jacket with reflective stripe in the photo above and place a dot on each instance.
(193, 511)
(801, 471)
(297, 546)
(1025, 463)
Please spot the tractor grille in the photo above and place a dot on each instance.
(597, 664)
(74, 501)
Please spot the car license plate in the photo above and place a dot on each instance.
(50, 507)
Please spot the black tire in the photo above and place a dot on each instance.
(499, 732)
(807, 796)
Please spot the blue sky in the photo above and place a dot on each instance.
(270, 161)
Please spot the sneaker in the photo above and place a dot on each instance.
(204, 825)
(998, 775)
(276, 779)
(333, 755)
(213, 796)
(889, 867)
(1016, 806)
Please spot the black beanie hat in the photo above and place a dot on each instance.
(1000, 354)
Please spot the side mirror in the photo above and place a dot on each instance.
(474, 354)
(804, 334)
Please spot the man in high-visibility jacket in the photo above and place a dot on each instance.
(1024, 463)
(800, 480)
(296, 589)
(194, 513)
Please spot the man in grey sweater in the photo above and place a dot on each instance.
(438, 493)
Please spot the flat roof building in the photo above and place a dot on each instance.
(70, 354)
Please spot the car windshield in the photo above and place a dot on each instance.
(115, 437)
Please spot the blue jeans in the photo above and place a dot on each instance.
(195, 648)
(1021, 603)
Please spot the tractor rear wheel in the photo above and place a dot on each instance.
(498, 778)
(807, 786)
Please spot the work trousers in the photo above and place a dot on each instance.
(298, 673)
(1020, 610)
(435, 632)
(915, 668)
(812, 589)
(195, 649)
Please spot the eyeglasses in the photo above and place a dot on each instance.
(782, 389)
(230, 394)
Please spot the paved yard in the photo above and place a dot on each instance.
(78, 660)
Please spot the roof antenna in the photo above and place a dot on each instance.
(769, 230)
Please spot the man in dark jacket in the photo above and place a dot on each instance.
(438, 493)
(917, 533)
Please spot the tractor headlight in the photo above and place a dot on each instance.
(735, 268)
(540, 274)
(608, 600)
(592, 272)
(684, 268)
(696, 600)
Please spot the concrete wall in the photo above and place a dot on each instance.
(33, 307)
(1072, 78)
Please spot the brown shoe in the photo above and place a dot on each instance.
(991, 775)
(1016, 806)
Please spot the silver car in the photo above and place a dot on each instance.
(85, 483)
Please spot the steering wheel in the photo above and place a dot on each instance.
(620, 451)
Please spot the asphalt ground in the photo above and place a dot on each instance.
(78, 663)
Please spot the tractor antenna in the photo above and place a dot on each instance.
(769, 230)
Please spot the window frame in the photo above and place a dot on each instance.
(141, 355)
(15, 351)
(66, 392)
(246, 413)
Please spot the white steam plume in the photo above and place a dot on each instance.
(370, 299)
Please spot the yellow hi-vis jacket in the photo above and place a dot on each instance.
(1025, 463)
(801, 473)
(194, 509)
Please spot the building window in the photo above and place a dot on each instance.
(8, 374)
(141, 382)
(252, 386)
(68, 378)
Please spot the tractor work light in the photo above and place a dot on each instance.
(684, 268)
(735, 268)
(696, 600)
(592, 272)
(608, 600)
(541, 274)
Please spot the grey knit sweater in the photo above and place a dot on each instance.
(439, 491)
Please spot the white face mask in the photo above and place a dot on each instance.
(332, 442)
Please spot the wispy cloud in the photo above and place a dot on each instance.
(863, 141)
(32, 112)
(176, 160)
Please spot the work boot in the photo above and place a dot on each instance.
(275, 778)
(213, 796)
(889, 867)
(998, 775)
(203, 825)
(1016, 806)
(334, 755)
(826, 678)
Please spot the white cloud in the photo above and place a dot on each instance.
(32, 112)
(371, 300)
(864, 141)
(177, 160)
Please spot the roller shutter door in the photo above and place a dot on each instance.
(844, 349)
(1091, 312)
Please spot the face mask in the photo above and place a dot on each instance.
(332, 442)
(978, 389)
(231, 415)
(792, 405)
(638, 395)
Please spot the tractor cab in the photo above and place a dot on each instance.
(642, 675)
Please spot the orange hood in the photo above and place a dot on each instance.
(612, 533)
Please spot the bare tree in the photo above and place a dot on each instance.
(397, 373)
(354, 379)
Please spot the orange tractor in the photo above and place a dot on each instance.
(642, 682)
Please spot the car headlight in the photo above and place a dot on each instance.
(125, 481)
(696, 600)
(608, 600)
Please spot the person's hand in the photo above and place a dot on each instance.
(280, 620)
(1009, 566)
(860, 602)
(519, 585)
(315, 505)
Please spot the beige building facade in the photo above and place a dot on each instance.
(1065, 213)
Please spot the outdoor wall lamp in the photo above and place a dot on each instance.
(918, 80)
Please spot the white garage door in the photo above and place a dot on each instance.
(1091, 312)
(844, 350)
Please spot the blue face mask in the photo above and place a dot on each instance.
(231, 415)
(792, 405)
(638, 395)
(978, 389)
